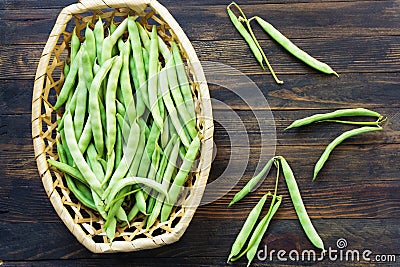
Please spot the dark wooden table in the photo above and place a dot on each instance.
(356, 197)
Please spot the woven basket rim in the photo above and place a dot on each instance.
(40, 147)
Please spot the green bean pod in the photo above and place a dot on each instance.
(94, 163)
(153, 79)
(126, 161)
(94, 105)
(156, 209)
(81, 191)
(167, 176)
(188, 120)
(246, 36)
(111, 109)
(90, 44)
(169, 104)
(72, 171)
(98, 32)
(352, 112)
(260, 231)
(180, 178)
(151, 184)
(324, 157)
(125, 81)
(68, 83)
(299, 205)
(144, 36)
(75, 45)
(183, 81)
(247, 227)
(293, 49)
(139, 63)
(252, 183)
(110, 41)
(86, 136)
(79, 160)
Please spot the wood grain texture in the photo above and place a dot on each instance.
(356, 194)
(210, 21)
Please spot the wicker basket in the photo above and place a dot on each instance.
(83, 222)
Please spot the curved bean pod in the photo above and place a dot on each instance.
(247, 227)
(86, 136)
(99, 38)
(183, 81)
(64, 167)
(126, 161)
(324, 157)
(180, 178)
(95, 118)
(125, 81)
(299, 205)
(111, 109)
(68, 83)
(153, 79)
(110, 41)
(252, 183)
(188, 120)
(90, 44)
(352, 112)
(293, 49)
(139, 64)
(76, 154)
(169, 104)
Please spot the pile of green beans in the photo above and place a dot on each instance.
(367, 126)
(238, 249)
(128, 112)
(250, 38)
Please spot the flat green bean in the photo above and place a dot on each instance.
(79, 160)
(139, 64)
(169, 104)
(81, 191)
(188, 120)
(252, 183)
(68, 83)
(90, 44)
(110, 41)
(183, 81)
(99, 37)
(293, 49)
(247, 227)
(299, 205)
(72, 171)
(111, 109)
(338, 140)
(126, 87)
(180, 178)
(153, 79)
(126, 161)
(75, 45)
(353, 112)
(86, 136)
(94, 163)
(118, 147)
(244, 33)
(95, 118)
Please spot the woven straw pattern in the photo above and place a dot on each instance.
(84, 223)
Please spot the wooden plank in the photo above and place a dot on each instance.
(20, 61)
(210, 22)
(358, 188)
(52, 241)
(309, 91)
(20, 4)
